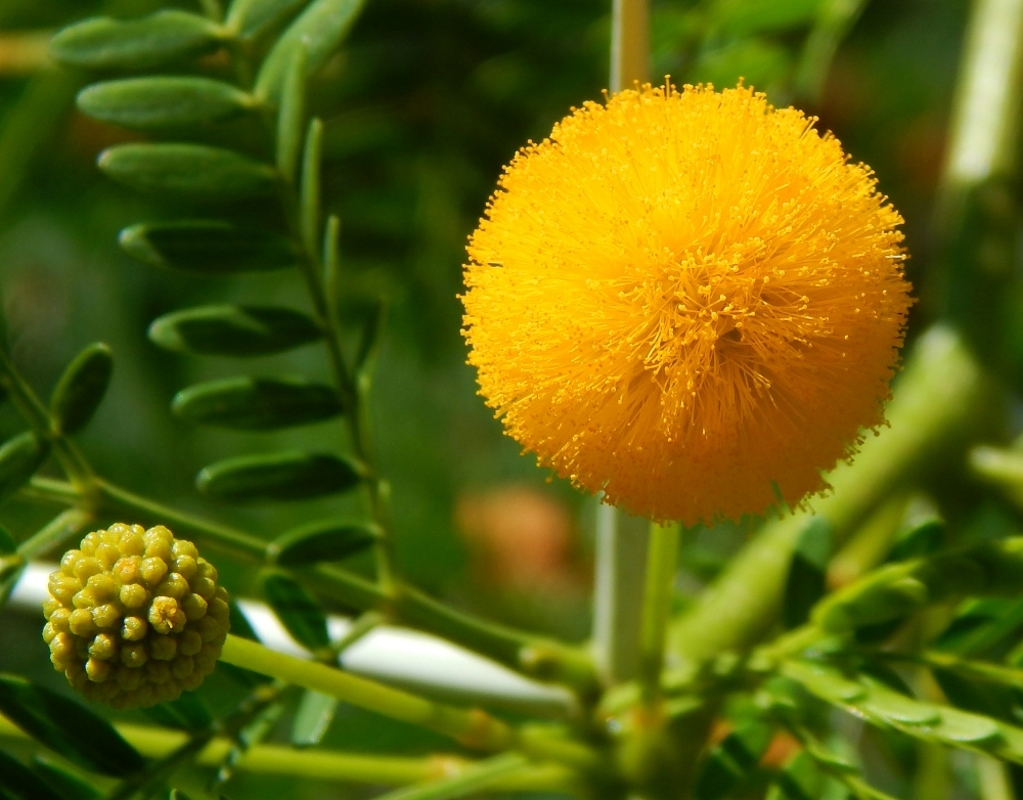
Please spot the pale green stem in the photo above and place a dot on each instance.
(64, 526)
(476, 778)
(621, 553)
(473, 728)
(985, 120)
(662, 564)
(326, 765)
(993, 779)
(938, 403)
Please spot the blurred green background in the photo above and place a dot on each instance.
(425, 103)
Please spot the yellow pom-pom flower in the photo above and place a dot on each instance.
(135, 617)
(691, 301)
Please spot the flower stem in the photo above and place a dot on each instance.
(473, 728)
(473, 779)
(662, 564)
(62, 527)
(938, 403)
(621, 554)
(630, 43)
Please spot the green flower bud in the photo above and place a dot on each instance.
(135, 617)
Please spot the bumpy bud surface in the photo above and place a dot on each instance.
(135, 617)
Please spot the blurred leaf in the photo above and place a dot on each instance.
(250, 17)
(895, 590)
(918, 541)
(805, 584)
(67, 728)
(291, 475)
(18, 781)
(208, 247)
(68, 785)
(320, 29)
(8, 544)
(743, 18)
(297, 611)
(200, 171)
(800, 779)
(312, 719)
(187, 713)
(177, 794)
(81, 388)
(760, 63)
(972, 695)
(979, 624)
(291, 116)
(327, 540)
(234, 330)
(730, 762)
(163, 37)
(160, 101)
(20, 457)
(248, 403)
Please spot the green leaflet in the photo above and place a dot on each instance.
(209, 247)
(68, 785)
(800, 779)
(247, 403)
(200, 171)
(20, 457)
(81, 388)
(67, 728)
(161, 38)
(233, 330)
(19, 782)
(163, 102)
(324, 541)
(297, 611)
(290, 475)
(291, 116)
(320, 29)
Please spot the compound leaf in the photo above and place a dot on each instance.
(208, 247)
(20, 457)
(81, 388)
(327, 540)
(296, 610)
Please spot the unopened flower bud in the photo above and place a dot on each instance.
(134, 616)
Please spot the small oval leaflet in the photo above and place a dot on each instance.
(233, 330)
(20, 457)
(247, 403)
(163, 102)
(290, 475)
(297, 611)
(81, 388)
(324, 541)
(966, 728)
(67, 728)
(209, 247)
(160, 38)
(196, 170)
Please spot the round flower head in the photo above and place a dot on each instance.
(690, 301)
(135, 617)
